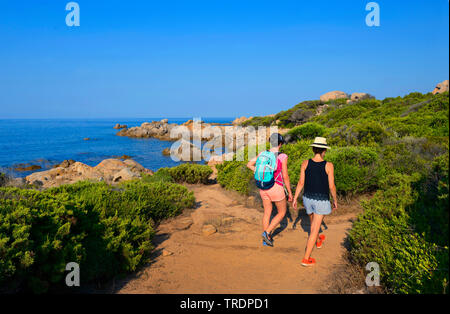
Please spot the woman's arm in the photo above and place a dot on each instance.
(329, 168)
(287, 183)
(251, 164)
(300, 184)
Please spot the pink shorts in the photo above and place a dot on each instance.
(274, 194)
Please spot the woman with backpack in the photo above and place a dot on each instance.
(317, 180)
(271, 175)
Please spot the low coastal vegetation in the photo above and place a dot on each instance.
(234, 175)
(190, 173)
(184, 173)
(309, 130)
(106, 229)
(298, 114)
(395, 151)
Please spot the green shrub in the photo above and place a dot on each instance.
(370, 133)
(259, 121)
(382, 234)
(190, 173)
(357, 169)
(364, 134)
(106, 230)
(413, 115)
(410, 155)
(162, 175)
(308, 130)
(298, 114)
(234, 175)
(40, 234)
(430, 214)
(157, 200)
(340, 116)
(418, 115)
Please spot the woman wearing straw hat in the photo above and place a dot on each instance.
(317, 180)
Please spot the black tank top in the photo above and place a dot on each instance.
(316, 181)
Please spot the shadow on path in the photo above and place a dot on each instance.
(305, 222)
(284, 222)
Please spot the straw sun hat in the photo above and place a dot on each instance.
(320, 142)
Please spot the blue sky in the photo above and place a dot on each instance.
(226, 58)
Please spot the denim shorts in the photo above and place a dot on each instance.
(317, 207)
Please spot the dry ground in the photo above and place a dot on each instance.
(233, 259)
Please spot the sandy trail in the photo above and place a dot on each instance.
(233, 260)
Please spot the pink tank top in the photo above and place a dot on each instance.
(278, 175)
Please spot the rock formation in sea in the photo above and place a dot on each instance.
(26, 167)
(156, 129)
(166, 152)
(120, 126)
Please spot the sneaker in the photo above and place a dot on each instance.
(267, 239)
(320, 241)
(309, 262)
(264, 243)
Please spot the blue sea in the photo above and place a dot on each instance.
(49, 142)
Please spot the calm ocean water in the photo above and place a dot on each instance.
(48, 142)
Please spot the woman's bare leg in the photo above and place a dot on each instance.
(315, 227)
(281, 207)
(267, 213)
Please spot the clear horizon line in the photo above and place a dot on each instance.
(111, 118)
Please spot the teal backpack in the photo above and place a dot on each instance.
(265, 167)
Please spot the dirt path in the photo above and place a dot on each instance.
(233, 260)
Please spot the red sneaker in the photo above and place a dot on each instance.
(320, 241)
(310, 262)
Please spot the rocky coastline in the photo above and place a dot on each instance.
(111, 171)
(217, 134)
(162, 130)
